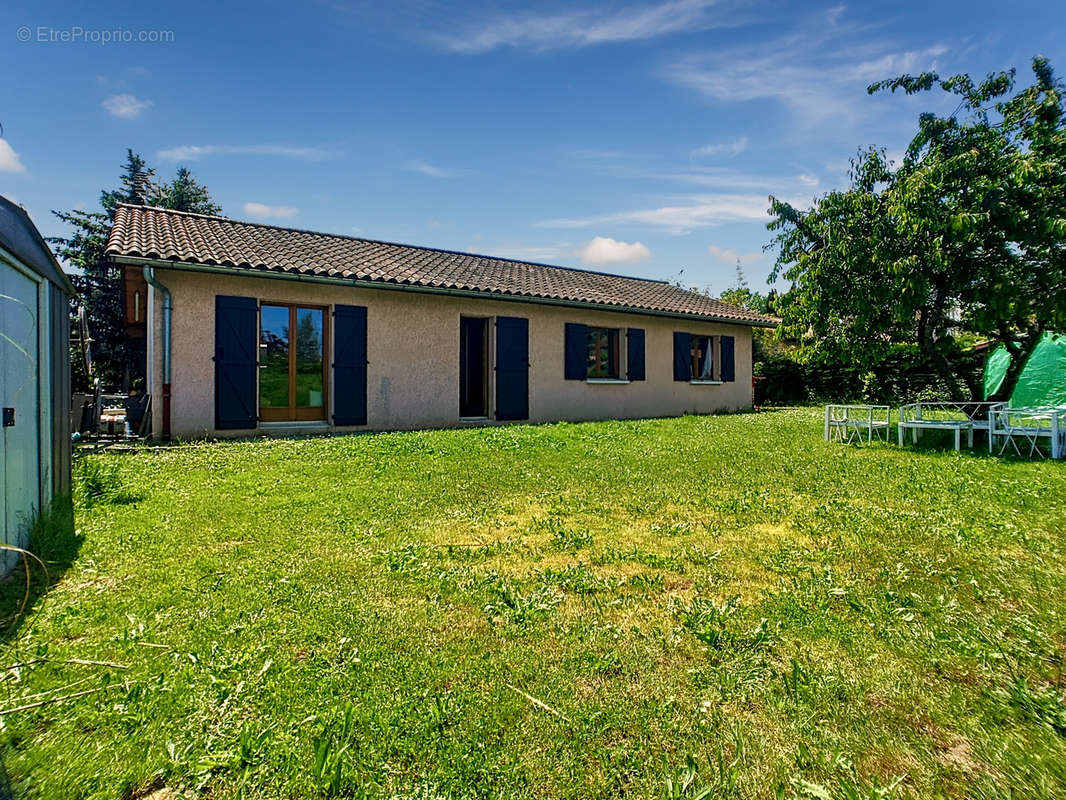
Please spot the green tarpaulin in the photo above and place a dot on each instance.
(1043, 380)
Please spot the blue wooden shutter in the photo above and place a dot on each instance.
(512, 368)
(728, 359)
(575, 367)
(635, 354)
(236, 362)
(349, 365)
(682, 356)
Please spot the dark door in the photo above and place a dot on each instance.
(473, 366)
(512, 368)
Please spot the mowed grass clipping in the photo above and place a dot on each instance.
(699, 607)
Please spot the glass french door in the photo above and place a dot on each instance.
(292, 363)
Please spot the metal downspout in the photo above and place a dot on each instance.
(150, 279)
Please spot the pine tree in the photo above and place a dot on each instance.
(183, 194)
(99, 281)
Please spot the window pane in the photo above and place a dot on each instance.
(309, 358)
(702, 358)
(603, 353)
(274, 357)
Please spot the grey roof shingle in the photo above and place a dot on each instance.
(161, 234)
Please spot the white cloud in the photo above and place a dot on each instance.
(192, 152)
(263, 211)
(432, 171)
(892, 64)
(719, 178)
(605, 250)
(9, 159)
(585, 27)
(695, 211)
(808, 180)
(732, 256)
(819, 72)
(125, 106)
(731, 149)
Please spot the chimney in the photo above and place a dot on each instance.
(140, 187)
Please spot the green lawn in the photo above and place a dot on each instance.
(697, 607)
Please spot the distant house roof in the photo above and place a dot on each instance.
(145, 233)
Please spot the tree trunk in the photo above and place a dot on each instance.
(949, 376)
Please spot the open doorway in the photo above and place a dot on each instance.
(473, 366)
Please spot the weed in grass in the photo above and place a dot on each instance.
(1045, 706)
(647, 581)
(714, 624)
(579, 579)
(563, 538)
(411, 560)
(680, 528)
(633, 555)
(718, 778)
(845, 788)
(330, 754)
(510, 604)
(95, 481)
(480, 552)
(796, 682)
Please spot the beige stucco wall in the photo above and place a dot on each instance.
(413, 354)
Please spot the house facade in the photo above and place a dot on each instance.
(254, 329)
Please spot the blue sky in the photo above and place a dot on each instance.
(640, 138)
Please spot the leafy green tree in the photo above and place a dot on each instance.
(100, 282)
(967, 234)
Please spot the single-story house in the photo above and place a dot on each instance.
(34, 376)
(255, 328)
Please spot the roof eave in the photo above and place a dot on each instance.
(409, 287)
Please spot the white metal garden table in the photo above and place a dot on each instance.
(958, 418)
(847, 423)
(1028, 426)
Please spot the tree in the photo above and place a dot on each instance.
(99, 281)
(743, 297)
(183, 194)
(967, 234)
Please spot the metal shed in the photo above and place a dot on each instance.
(34, 376)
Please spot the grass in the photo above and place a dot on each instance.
(704, 607)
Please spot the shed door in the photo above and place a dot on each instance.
(20, 465)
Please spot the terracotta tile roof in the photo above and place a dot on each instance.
(163, 235)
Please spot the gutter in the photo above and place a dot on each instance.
(151, 280)
(467, 293)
